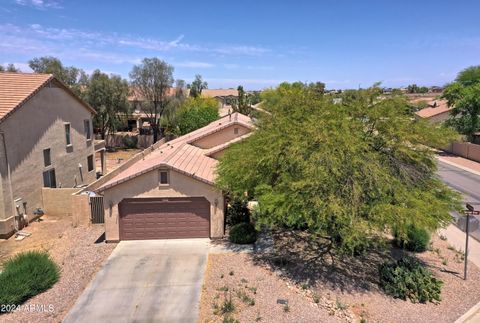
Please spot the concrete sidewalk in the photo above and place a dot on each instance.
(460, 162)
(456, 237)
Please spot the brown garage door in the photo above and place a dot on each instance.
(164, 218)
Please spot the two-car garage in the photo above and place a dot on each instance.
(164, 218)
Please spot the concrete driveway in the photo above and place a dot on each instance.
(146, 281)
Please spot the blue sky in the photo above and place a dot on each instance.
(258, 44)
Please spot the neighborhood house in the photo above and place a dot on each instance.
(46, 141)
(170, 193)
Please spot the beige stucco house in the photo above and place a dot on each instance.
(46, 140)
(170, 192)
(436, 111)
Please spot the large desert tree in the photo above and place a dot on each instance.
(107, 94)
(152, 80)
(344, 172)
(464, 95)
(197, 86)
(72, 76)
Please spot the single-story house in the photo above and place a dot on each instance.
(435, 111)
(171, 193)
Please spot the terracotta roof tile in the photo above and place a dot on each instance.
(179, 154)
(211, 93)
(435, 107)
(17, 88)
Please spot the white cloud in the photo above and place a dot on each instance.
(39, 4)
(63, 38)
(193, 64)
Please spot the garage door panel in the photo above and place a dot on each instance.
(160, 218)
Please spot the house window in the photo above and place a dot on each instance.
(90, 163)
(235, 131)
(47, 161)
(49, 178)
(67, 134)
(86, 126)
(163, 177)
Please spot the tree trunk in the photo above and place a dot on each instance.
(155, 132)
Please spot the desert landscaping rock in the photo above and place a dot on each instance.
(237, 272)
(79, 258)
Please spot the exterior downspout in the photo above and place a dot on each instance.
(9, 178)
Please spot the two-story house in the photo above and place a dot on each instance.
(46, 140)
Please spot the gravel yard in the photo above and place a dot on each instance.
(77, 254)
(116, 158)
(353, 282)
(458, 296)
(254, 291)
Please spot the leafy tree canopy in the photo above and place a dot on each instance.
(74, 77)
(196, 113)
(9, 68)
(464, 96)
(153, 79)
(343, 171)
(197, 86)
(108, 96)
(414, 88)
(469, 76)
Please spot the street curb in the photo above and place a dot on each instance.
(471, 312)
(458, 166)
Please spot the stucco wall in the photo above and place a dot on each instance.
(465, 149)
(221, 137)
(102, 180)
(147, 185)
(440, 117)
(80, 210)
(37, 125)
(58, 201)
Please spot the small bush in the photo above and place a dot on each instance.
(417, 239)
(130, 142)
(243, 233)
(408, 278)
(227, 306)
(237, 212)
(26, 275)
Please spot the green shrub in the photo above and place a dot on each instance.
(243, 233)
(26, 275)
(237, 212)
(417, 239)
(130, 142)
(408, 278)
(196, 113)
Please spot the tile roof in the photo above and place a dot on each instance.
(18, 88)
(180, 155)
(435, 107)
(211, 93)
(136, 95)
